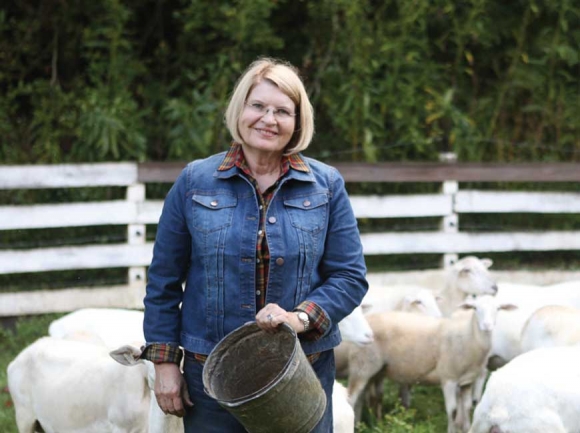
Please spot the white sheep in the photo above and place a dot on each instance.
(468, 276)
(68, 386)
(411, 349)
(422, 302)
(536, 392)
(342, 412)
(551, 326)
(355, 328)
(506, 342)
(111, 327)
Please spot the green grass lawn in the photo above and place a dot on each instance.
(427, 414)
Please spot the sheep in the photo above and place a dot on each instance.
(67, 386)
(410, 348)
(468, 276)
(111, 327)
(342, 412)
(355, 328)
(536, 392)
(506, 342)
(551, 326)
(422, 302)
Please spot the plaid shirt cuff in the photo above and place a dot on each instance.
(319, 322)
(158, 353)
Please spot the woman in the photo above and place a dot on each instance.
(257, 233)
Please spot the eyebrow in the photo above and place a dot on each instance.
(286, 107)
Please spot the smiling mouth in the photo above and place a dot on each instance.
(266, 132)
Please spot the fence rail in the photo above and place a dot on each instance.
(136, 212)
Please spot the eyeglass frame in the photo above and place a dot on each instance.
(263, 111)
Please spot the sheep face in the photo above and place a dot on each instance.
(486, 308)
(355, 328)
(472, 276)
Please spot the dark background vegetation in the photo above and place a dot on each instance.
(144, 80)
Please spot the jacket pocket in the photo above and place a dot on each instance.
(308, 213)
(213, 211)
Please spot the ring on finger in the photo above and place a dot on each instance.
(269, 317)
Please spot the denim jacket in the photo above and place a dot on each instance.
(206, 238)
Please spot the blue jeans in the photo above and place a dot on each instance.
(207, 416)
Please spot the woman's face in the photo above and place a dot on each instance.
(267, 122)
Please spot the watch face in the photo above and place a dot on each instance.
(303, 316)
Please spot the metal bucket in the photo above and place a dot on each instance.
(265, 381)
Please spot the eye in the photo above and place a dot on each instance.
(257, 106)
(282, 112)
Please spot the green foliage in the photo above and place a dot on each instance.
(393, 80)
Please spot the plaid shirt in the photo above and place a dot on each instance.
(318, 321)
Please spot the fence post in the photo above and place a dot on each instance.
(136, 235)
(449, 223)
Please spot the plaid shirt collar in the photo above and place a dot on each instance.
(235, 157)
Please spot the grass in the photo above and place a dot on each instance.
(427, 414)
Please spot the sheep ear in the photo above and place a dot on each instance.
(487, 262)
(365, 308)
(469, 303)
(508, 307)
(126, 355)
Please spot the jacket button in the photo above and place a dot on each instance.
(279, 261)
(306, 203)
(214, 203)
(272, 220)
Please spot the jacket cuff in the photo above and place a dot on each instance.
(160, 352)
(319, 321)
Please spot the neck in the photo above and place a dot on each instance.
(263, 163)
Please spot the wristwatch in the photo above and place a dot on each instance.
(304, 319)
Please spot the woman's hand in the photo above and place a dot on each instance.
(272, 316)
(171, 389)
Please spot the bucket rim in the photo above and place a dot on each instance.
(264, 389)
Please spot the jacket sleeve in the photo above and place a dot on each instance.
(168, 269)
(342, 266)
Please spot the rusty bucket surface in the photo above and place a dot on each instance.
(265, 381)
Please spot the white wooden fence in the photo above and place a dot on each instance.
(135, 212)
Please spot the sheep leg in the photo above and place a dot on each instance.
(479, 385)
(356, 387)
(466, 403)
(450, 395)
(405, 395)
(378, 385)
(363, 365)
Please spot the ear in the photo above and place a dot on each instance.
(126, 355)
(487, 262)
(365, 308)
(468, 304)
(508, 307)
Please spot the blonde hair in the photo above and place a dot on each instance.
(287, 79)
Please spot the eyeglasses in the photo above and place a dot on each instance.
(280, 114)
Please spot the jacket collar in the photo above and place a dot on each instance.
(234, 161)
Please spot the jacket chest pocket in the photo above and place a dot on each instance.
(212, 212)
(308, 213)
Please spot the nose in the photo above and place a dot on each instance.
(269, 115)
